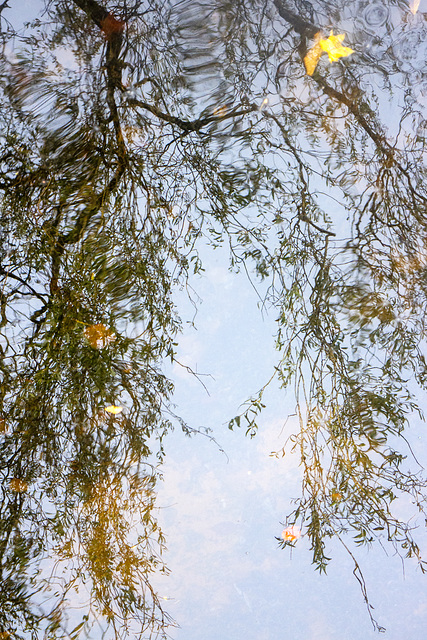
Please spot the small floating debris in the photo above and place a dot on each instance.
(112, 408)
(18, 485)
(99, 336)
(414, 6)
(221, 111)
(290, 534)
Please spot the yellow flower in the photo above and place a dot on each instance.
(334, 48)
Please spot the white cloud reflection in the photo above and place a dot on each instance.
(221, 513)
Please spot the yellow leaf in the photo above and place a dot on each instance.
(98, 336)
(334, 48)
(313, 56)
(113, 409)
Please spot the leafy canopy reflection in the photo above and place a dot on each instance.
(132, 133)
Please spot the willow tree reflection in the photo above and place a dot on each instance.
(132, 131)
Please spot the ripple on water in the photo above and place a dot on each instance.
(410, 49)
(375, 15)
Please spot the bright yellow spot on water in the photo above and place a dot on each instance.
(113, 409)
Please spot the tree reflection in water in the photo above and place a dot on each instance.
(132, 132)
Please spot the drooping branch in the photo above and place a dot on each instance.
(192, 125)
(76, 233)
(113, 30)
(301, 26)
(94, 10)
(8, 274)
